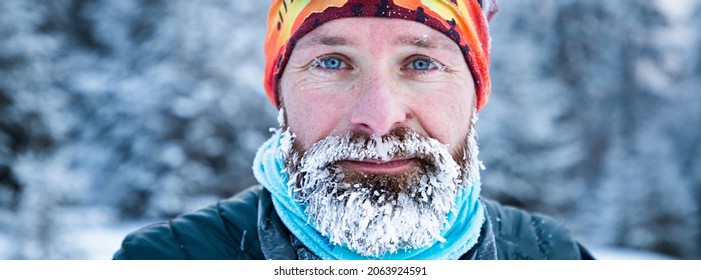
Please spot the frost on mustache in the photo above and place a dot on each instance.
(370, 219)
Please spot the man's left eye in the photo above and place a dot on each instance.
(421, 64)
(424, 64)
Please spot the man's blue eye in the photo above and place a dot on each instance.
(422, 64)
(331, 63)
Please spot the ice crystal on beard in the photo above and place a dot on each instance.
(366, 218)
(281, 117)
(471, 155)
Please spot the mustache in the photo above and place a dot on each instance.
(401, 142)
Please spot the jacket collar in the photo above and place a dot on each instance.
(278, 244)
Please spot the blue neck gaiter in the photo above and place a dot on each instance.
(461, 230)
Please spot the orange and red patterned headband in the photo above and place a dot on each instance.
(464, 21)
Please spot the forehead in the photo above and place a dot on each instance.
(364, 31)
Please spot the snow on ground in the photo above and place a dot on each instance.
(614, 253)
(4, 244)
(100, 243)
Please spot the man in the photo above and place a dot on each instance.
(376, 155)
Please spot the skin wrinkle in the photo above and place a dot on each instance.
(416, 41)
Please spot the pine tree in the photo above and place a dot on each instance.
(151, 107)
(587, 83)
(28, 138)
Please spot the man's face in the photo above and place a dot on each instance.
(372, 75)
(378, 113)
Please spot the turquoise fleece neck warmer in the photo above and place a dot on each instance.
(461, 231)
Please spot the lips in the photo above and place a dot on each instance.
(376, 166)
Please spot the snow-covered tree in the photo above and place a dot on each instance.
(579, 122)
(151, 107)
(166, 92)
(31, 129)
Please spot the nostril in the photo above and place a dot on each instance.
(365, 128)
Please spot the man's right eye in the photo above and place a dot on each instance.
(329, 63)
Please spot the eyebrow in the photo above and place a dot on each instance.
(327, 41)
(423, 42)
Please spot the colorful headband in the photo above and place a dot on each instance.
(464, 21)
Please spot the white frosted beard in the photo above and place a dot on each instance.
(375, 214)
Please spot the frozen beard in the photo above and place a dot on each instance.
(376, 214)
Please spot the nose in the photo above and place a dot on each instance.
(379, 107)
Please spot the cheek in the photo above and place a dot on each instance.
(310, 117)
(447, 118)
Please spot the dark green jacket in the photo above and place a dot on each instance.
(247, 227)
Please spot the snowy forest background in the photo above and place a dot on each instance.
(119, 113)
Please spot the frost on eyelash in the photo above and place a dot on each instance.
(440, 66)
(316, 62)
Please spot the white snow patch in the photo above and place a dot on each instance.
(617, 253)
(678, 8)
(97, 242)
